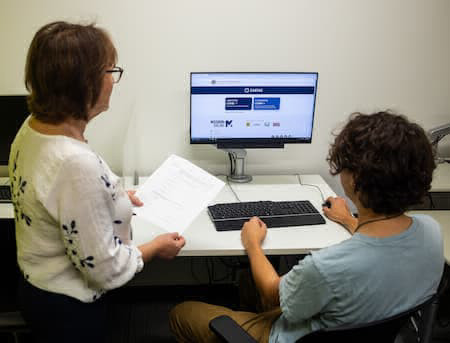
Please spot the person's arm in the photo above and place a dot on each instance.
(164, 246)
(304, 291)
(266, 278)
(340, 213)
(83, 201)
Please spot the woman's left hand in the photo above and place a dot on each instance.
(134, 199)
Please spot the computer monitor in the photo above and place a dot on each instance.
(251, 110)
(14, 111)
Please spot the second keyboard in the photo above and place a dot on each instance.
(5, 193)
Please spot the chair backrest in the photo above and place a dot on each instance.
(384, 330)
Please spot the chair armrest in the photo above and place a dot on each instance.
(230, 331)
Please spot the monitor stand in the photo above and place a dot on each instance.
(237, 159)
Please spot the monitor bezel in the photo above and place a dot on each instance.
(251, 142)
(4, 160)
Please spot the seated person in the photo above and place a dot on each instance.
(391, 263)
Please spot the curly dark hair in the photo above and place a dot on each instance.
(390, 158)
(65, 68)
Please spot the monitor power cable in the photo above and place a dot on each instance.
(232, 157)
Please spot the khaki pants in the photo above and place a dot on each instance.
(189, 321)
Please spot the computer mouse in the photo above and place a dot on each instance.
(327, 204)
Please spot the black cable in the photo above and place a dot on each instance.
(231, 163)
(232, 157)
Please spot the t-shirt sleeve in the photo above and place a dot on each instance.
(82, 203)
(303, 291)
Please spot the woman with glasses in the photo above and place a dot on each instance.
(72, 216)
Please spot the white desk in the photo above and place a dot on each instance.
(6, 209)
(202, 239)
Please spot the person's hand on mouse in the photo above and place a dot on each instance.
(340, 213)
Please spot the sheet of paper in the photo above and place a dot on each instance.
(176, 193)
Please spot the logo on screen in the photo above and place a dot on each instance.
(228, 123)
(218, 123)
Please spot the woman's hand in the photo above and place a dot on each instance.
(253, 233)
(168, 245)
(340, 213)
(134, 199)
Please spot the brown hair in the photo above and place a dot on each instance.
(65, 68)
(390, 158)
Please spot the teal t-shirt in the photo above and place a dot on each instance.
(360, 280)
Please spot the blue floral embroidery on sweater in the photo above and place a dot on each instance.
(70, 235)
(18, 188)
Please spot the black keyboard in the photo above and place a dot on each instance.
(5, 193)
(232, 216)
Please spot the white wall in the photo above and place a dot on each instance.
(370, 55)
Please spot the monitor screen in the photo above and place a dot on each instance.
(14, 111)
(252, 108)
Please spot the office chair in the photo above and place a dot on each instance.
(380, 331)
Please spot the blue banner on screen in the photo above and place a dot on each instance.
(267, 104)
(252, 90)
(238, 104)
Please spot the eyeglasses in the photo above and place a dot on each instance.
(116, 73)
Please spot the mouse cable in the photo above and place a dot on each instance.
(231, 188)
(307, 184)
(235, 195)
